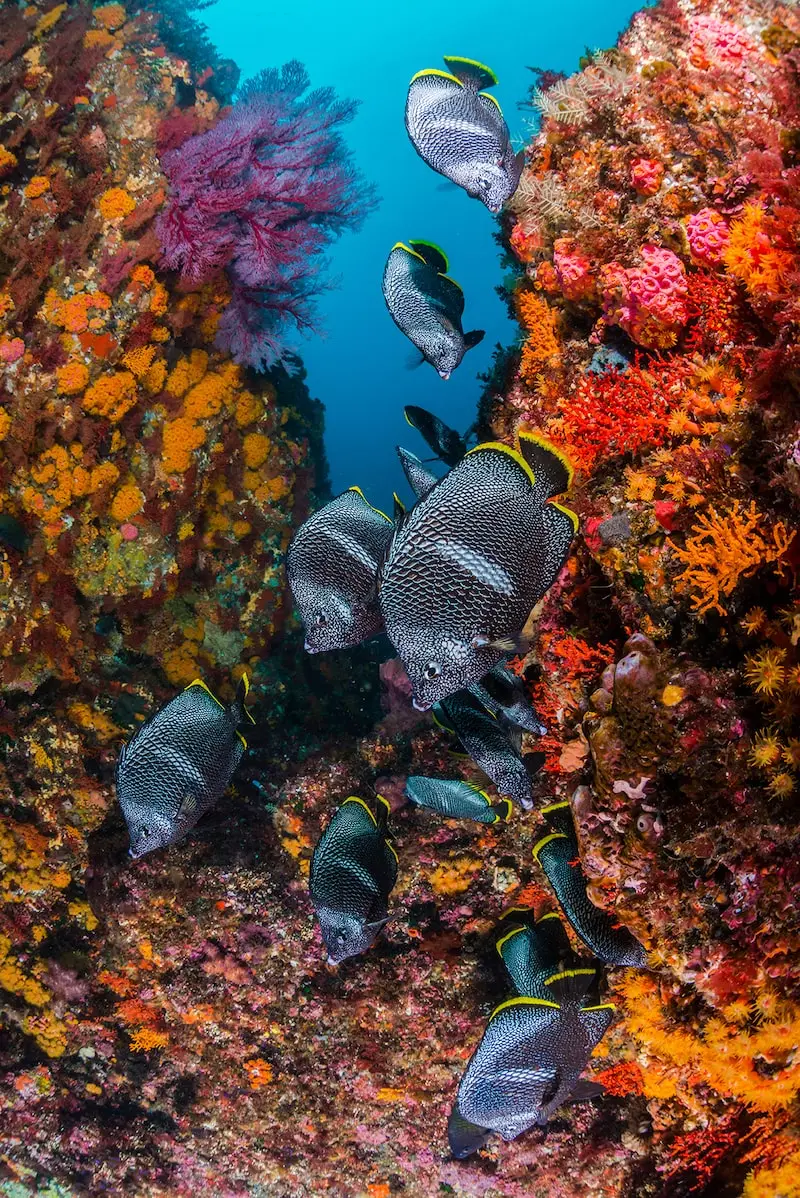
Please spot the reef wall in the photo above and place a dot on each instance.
(170, 1026)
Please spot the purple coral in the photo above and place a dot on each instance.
(261, 195)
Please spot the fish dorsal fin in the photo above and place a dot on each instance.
(570, 985)
(358, 491)
(514, 454)
(401, 245)
(552, 468)
(470, 72)
(435, 71)
(431, 253)
(242, 691)
(494, 100)
(398, 509)
(383, 809)
(553, 836)
(448, 279)
(523, 1002)
(503, 809)
(419, 478)
(198, 682)
(568, 512)
(360, 803)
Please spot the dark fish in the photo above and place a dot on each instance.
(471, 560)
(13, 533)
(418, 476)
(353, 872)
(456, 799)
(427, 305)
(558, 855)
(332, 566)
(535, 1047)
(460, 131)
(489, 743)
(444, 441)
(178, 765)
(502, 691)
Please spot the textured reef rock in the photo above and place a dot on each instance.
(170, 1027)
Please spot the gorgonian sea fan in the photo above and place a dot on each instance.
(261, 196)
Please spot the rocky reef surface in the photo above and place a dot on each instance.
(170, 1026)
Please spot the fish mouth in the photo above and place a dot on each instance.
(309, 648)
(444, 374)
(421, 706)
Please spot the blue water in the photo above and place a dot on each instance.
(369, 51)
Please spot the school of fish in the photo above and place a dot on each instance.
(452, 583)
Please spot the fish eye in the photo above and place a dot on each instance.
(433, 670)
(143, 831)
(340, 937)
(320, 619)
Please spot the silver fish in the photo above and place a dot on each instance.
(427, 305)
(332, 566)
(460, 131)
(471, 560)
(456, 799)
(178, 765)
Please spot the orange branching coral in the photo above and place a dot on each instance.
(622, 1079)
(5, 424)
(724, 548)
(116, 203)
(98, 38)
(72, 378)
(759, 252)
(542, 345)
(139, 361)
(111, 396)
(146, 1039)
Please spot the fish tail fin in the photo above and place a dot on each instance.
(584, 1090)
(570, 985)
(552, 469)
(473, 74)
(559, 818)
(503, 809)
(383, 810)
(239, 706)
(431, 253)
(474, 338)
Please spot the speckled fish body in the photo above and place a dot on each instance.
(456, 799)
(353, 872)
(488, 742)
(529, 1063)
(445, 442)
(469, 563)
(558, 855)
(418, 476)
(178, 765)
(332, 566)
(460, 131)
(427, 305)
(533, 952)
(502, 692)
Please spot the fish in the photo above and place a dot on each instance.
(444, 441)
(419, 478)
(458, 128)
(470, 561)
(536, 1045)
(179, 764)
(332, 566)
(490, 743)
(427, 305)
(456, 799)
(353, 872)
(558, 853)
(501, 690)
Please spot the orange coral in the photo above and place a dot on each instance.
(205, 398)
(541, 345)
(724, 548)
(112, 16)
(7, 161)
(72, 378)
(5, 424)
(255, 449)
(111, 396)
(127, 503)
(116, 203)
(759, 252)
(94, 38)
(259, 1072)
(38, 185)
(181, 437)
(139, 361)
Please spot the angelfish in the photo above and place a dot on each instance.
(353, 872)
(332, 566)
(536, 1045)
(178, 765)
(502, 691)
(456, 799)
(445, 442)
(471, 560)
(558, 854)
(427, 305)
(459, 130)
(491, 744)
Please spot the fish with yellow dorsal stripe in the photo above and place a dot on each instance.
(470, 561)
(458, 128)
(178, 765)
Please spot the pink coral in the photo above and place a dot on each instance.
(648, 301)
(11, 351)
(646, 176)
(573, 270)
(708, 236)
(716, 42)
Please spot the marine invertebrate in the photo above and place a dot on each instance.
(541, 344)
(725, 547)
(647, 301)
(279, 153)
(708, 235)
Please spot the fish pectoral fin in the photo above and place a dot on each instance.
(584, 1090)
(375, 925)
(431, 253)
(474, 338)
(518, 644)
(187, 808)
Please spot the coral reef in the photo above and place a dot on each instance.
(169, 1026)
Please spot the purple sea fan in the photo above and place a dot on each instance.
(261, 195)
